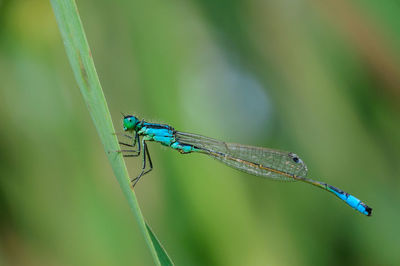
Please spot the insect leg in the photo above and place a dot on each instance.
(145, 153)
(136, 140)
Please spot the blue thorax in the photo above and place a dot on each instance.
(161, 133)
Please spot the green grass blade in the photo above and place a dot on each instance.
(162, 254)
(82, 64)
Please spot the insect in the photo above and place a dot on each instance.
(264, 162)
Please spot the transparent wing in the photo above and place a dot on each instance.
(258, 161)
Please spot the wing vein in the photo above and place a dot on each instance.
(264, 162)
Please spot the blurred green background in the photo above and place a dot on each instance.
(321, 79)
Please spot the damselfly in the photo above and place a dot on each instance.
(264, 162)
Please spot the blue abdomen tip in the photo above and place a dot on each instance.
(351, 201)
(368, 210)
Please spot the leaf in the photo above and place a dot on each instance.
(82, 64)
(162, 254)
